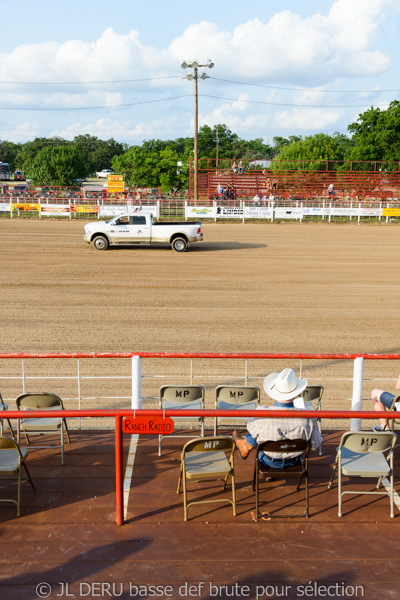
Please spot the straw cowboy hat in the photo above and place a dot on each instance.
(284, 385)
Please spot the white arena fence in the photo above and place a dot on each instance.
(179, 208)
(132, 380)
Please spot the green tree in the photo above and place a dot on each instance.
(376, 135)
(55, 165)
(153, 164)
(8, 153)
(314, 149)
(29, 150)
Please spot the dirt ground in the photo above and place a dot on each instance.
(280, 287)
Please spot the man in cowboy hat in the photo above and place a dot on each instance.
(282, 387)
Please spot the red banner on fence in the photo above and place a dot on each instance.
(148, 425)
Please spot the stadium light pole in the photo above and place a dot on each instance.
(195, 76)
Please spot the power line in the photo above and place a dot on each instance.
(87, 82)
(299, 105)
(96, 107)
(296, 89)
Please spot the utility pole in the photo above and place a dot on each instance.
(217, 147)
(195, 76)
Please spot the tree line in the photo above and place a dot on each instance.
(375, 136)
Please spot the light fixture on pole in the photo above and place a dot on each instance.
(195, 76)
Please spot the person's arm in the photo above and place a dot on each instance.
(398, 384)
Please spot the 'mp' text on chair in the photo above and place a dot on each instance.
(361, 454)
(298, 471)
(29, 426)
(180, 397)
(236, 397)
(12, 459)
(205, 459)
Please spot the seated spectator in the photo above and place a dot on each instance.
(383, 400)
(331, 190)
(282, 387)
(234, 167)
(256, 200)
(220, 190)
(240, 167)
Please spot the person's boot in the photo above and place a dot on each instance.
(244, 447)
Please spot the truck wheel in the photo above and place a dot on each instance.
(179, 244)
(100, 242)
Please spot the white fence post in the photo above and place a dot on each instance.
(356, 403)
(136, 382)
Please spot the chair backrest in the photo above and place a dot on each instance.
(182, 393)
(209, 444)
(367, 441)
(7, 443)
(284, 446)
(237, 394)
(395, 400)
(312, 393)
(38, 400)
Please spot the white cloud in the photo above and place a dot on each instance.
(321, 51)
(314, 120)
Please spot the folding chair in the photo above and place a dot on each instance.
(42, 401)
(361, 454)
(205, 459)
(312, 397)
(396, 399)
(298, 471)
(236, 397)
(4, 407)
(12, 459)
(177, 397)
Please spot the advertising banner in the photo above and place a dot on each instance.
(258, 212)
(315, 211)
(193, 212)
(51, 210)
(109, 210)
(84, 208)
(288, 213)
(24, 207)
(115, 184)
(391, 212)
(4, 207)
(229, 212)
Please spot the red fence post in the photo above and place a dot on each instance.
(119, 494)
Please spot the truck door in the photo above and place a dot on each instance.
(139, 228)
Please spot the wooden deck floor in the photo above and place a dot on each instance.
(67, 533)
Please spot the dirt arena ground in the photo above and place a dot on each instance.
(280, 287)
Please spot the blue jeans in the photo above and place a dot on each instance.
(275, 463)
(387, 399)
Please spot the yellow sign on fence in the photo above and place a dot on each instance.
(24, 206)
(391, 212)
(115, 184)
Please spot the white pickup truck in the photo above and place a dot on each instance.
(141, 229)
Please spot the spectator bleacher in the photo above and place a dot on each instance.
(353, 184)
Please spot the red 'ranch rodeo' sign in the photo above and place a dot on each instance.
(148, 425)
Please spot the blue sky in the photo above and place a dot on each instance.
(280, 68)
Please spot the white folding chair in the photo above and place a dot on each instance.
(179, 397)
(236, 397)
(361, 454)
